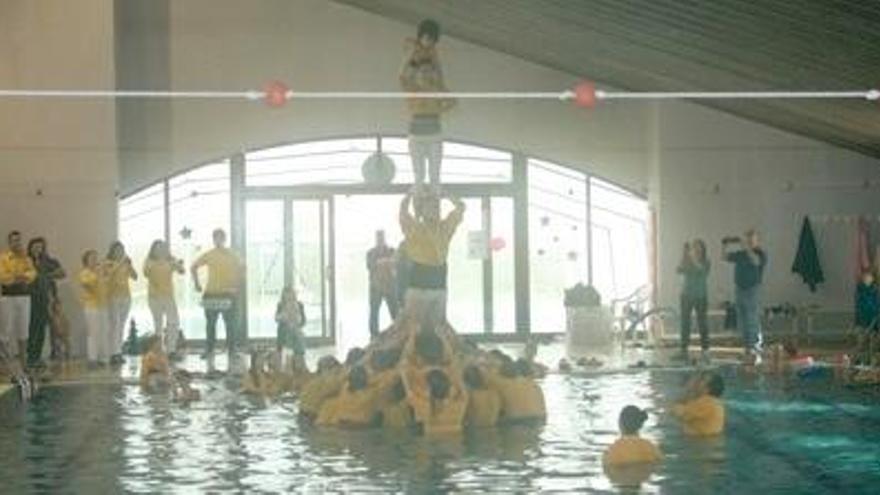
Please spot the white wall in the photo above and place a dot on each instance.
(754, 166)
(319, 45)
(58, 158)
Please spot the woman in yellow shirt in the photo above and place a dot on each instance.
(159, 270)
(93, 280)
(120, 271)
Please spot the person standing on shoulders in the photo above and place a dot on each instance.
(749, 261)
(17, 273)
(43, 293)
(427, 237)
(220, 296)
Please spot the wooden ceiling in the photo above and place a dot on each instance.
(708, 45)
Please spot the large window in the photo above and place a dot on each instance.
(558, 256)
(580, 229)
(620, 240)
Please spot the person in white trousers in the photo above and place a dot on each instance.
(93, 281)
(120, 271)
(159, 270)
(17, 273)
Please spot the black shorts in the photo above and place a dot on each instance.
(427, 276)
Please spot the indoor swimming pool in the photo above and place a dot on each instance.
(782, 437)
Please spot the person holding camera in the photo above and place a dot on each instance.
(749, 261)
(694, 267)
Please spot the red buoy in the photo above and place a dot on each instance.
(275, 94)
(585, 94)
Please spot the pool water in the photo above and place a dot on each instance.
(782, 437)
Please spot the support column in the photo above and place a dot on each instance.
(521, 243)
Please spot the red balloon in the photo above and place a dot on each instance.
(497, 243)
(275, 94)
(585, 94)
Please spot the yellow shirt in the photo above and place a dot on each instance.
(428, 244)
(349, 408)
(631, 449)
(397, 416)
(94, 289)
(13, 266)
(117, 284)
(521, 397)
(703, 416)
(319, 389)
(159, 274)
(224, 270)
(484, 408)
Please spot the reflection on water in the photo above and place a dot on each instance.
(101, 438)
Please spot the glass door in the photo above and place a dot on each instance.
(288, 242)
(310, 268)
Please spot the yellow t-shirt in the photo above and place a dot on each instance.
(319, 389)
(428, 244)
(703, 416)
(631, 449)
(484, 408)
(117, 284)
(397, 416)
(159, 275)
(353, 409)
(224, 270)
(94, 289)
(13, 266)
(521, 397)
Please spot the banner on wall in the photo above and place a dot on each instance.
(478, 245)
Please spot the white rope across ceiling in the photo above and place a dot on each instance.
(585, 94)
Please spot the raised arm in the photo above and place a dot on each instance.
(406, 218)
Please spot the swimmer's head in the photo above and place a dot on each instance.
(398, 392)
(438, 384)
(715, 385)
(357, 379)
(498, 357)
(473, 378)
(631, 420)
(385, 359)
(355, 354)
(328, 363)
(867, 277)
(509, 369)
(429, 347)
(523, 368)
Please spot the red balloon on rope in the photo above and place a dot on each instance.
(497, 243)
(585, 94)
(275, 94)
